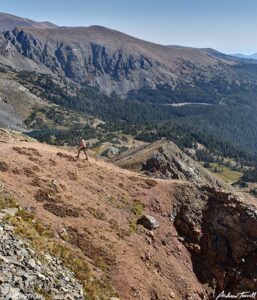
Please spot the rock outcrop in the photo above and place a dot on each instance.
(163, 159)
(23, 276)
(220, 230)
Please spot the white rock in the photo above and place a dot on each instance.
(32, 263)
(10, 211)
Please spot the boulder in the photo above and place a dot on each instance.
(114, 150)
(148, 222)
(111, 152)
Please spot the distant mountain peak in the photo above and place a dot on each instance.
(9, 22)
(245, 56)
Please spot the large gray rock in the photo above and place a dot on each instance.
(148, 222)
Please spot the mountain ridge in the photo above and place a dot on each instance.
(105, 57)
(163, 159)
(244, 56)
(9, 22)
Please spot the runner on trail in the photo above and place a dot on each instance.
(82, 147)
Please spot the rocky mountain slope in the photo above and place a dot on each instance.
(220, 230)
(16, 102)
(163, 159)
(9, 22)
(111, 59)
(140, 237)
(94, 206)
(22, 109)
(24, 276)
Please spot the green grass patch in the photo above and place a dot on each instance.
(226, 174)
(137, 208)
(6, 201)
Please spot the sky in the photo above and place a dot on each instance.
(229, 26)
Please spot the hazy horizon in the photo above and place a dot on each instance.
(227, 27)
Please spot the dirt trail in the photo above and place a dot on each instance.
(97, 204)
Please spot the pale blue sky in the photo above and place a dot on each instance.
(226, 25)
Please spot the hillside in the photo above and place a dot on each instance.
(16, 103)
(9, 22)
(163, 159)
(113, 60)
(98, 205)
(93, 209)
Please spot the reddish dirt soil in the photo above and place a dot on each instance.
(97, 202)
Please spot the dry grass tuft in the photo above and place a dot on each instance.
(21, 151)
(137, 208)
(28, 172)
(102, 257)
(97, 213)
(150, 182)
(61, 210)
(120, 231)
(6, 201)
(67, 156)
(27, 151)
(43, 195)
(42, 240)
(52, 162)
(72, 176)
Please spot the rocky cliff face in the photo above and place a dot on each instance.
(163, 159)
(219, 228)
(217, 225)
(85, 60)
(110, 59)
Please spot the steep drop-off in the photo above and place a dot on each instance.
(204, 239)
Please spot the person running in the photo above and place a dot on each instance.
(82, 147)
